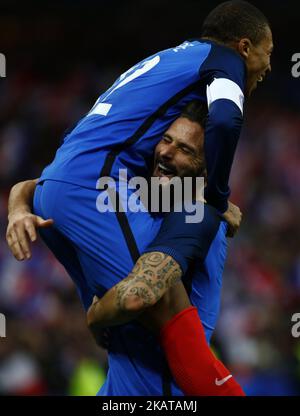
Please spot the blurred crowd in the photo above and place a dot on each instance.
(262, 277)
(48, 349)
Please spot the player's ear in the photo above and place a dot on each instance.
(244, 47)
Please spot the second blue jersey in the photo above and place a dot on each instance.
(127, 121)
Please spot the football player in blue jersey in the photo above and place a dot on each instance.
(127, 121)
(192, 252)
(122, 130)
(196, 251)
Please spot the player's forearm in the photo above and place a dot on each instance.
(174, 301)
(123, 303)
(20, 197)
(107, 312)
(153, 274)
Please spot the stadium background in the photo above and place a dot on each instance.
(60, 57)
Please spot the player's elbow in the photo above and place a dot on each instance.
(95, 316)
(90, 317)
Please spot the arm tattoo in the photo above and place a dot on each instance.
(153, 274)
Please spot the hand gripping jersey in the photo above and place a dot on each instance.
(128, 120)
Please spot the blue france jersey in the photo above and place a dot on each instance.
(136, 362)
(128, 120)
(98, 251)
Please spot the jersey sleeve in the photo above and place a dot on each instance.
(184, 241)
(225, 74)
(223, 63)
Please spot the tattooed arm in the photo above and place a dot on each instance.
(153, 274)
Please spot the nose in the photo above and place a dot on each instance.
(167, 151)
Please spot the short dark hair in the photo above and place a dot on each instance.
(234, 20)
(197, 111)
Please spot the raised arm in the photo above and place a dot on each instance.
(22, 224)
(221, 137)
(225, 72)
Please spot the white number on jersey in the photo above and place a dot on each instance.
(102, 108)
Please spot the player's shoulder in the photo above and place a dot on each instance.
(223, 61)
(189, 46)
(190, 54)
(222, 52)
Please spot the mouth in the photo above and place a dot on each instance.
(163, 169)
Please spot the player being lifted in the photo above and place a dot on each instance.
(126, 123)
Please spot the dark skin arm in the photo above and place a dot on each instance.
(152, 294)
(174, 301)
(153, 274)
(153, 318)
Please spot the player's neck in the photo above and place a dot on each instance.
(230, 45)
